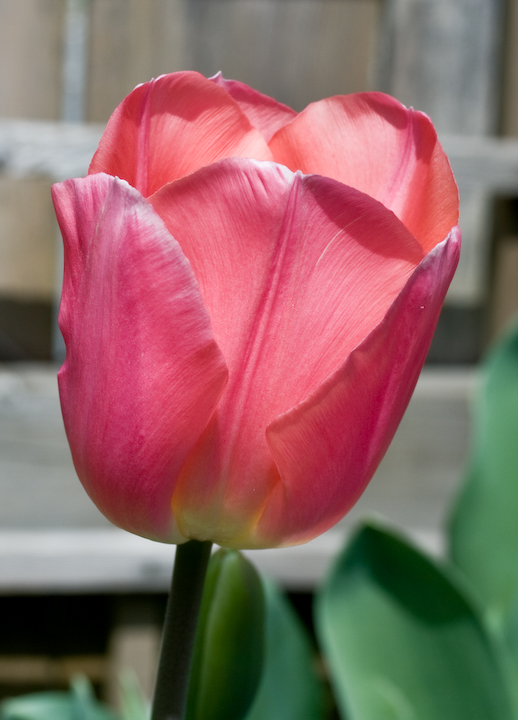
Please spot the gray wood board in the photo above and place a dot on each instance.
(62, 150)
(53, 538)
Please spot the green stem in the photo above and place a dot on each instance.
(180, 623)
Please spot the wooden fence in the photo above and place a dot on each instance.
(64, 65)
(73, 61)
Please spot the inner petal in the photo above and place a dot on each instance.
(373, 143)
(294, 271)
(170, 127)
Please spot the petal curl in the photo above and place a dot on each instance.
(265, 114)
(295, 272)
(170, 127)
(328, 447)
(373, 143)
(143, 373)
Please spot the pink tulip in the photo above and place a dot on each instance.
(243, 338)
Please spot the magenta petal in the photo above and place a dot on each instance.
(373, 143)
(170, 127)
(263, 112)
(143, 373)
(295, 272)
(327, 449)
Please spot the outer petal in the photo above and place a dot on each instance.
(171, 126)
(295, 272)
(328, 447)
(143, 373)
(265, 114)
(372, 142)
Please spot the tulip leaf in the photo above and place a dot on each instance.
(484, 526)
(133, 705)
(290, 688)
(38, 706)
(78, 704)
(84, 704)
(228, 652)
(402, 640)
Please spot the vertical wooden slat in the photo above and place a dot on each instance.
(31, 44)
(134, 644)
(131, 41)
(505, 298)
(75, 60)
(295, 50)
(30, 58)
(27, 239)
(444, 57)
(510, 74)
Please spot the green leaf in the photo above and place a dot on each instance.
(132, 701)
(84, 703)
(402, 640)
(38, 706)
(484, 525)
(290, 688)
(77, 704)
(228, 652)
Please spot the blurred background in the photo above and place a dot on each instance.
(76, 594)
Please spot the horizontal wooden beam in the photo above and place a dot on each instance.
(489, 163)
(62, 150)
(45, 670)
(114, 561)
(54, 150)
(53, 539)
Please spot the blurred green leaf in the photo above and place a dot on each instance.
(290, 688)
(77, 704)
(85, 706)
(134, 705)
(228, 652)
(38, 706)
(401, 639)
(484, 525)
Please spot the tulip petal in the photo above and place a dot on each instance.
(373, 143)
(328, 447)
(143, 373)
(295, 272)
(265, 114)
(170, 127)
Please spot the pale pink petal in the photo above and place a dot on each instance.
(373, 143)
(143, 373)
(327, 448)
(265, 114)
(170, 127)
(295, 272)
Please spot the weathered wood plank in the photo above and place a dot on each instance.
(112, 561)
(137, 41)
(509, 125)
(296, 51)
(45, 670)
(54, 539)
(61, 150)
(30, 58)
(55, 151)
(444, 57)
(504, 304)
(28, 239)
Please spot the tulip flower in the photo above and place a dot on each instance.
(249, 296)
